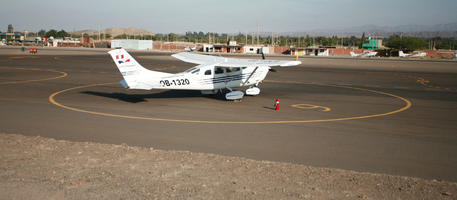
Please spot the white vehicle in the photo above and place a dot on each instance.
(364, 54)
(415, 55)
(212, 75)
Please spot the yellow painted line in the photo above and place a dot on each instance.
(63, 74)
(372, 86)
(406, 101)
(310, 106)
(401, 87)
(21, 57)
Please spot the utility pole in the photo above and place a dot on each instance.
(246, 41)
(272, 40)
(257, 32)
(252, 38)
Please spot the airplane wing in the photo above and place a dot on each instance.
(231, 62)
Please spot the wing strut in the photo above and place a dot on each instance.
(250, 76)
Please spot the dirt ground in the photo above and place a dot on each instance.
(42, 168)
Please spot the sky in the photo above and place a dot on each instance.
(229, 16)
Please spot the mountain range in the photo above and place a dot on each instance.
(443, 30)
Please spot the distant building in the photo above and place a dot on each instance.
(252, 49)
(132, 44)
(208, 48)
(230, 48)
(10, 36)
(309, 51)
(10, 28)
(372, 44)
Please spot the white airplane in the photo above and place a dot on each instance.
(190, 48)
(364, 54)
(416, 55)
(212, 74)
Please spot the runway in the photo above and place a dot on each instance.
(371, 115)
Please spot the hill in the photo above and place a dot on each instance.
(115, 31)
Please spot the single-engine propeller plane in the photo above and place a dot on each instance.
(364, 54)
(415, 55)
(213, 74)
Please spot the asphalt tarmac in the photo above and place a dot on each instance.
(370, 115)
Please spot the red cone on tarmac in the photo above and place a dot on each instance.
(277, 104)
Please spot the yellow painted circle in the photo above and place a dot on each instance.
(62, 75)
(405, 107)
(310, 106)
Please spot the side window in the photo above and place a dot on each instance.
(228, 70)
(235, 69)
(219, 70)
(208, 72)
(243, 67)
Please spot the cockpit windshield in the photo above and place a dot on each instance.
(191, 69)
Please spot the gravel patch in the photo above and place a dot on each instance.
(42, 168)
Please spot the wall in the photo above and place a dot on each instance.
(175, 46)
(448, 54)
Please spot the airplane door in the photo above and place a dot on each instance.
(219, 77)
(207, 75)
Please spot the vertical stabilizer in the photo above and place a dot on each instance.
(135, 75)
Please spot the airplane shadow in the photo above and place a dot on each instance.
(137, 98)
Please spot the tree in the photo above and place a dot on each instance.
(52, 33)
(443, 43)
(62, 34)
(42, 33)
(362, 40)
(172, 37)
(406, 43)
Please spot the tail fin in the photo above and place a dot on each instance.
(135, 75)
(401, 54)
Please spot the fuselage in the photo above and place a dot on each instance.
(211, 77)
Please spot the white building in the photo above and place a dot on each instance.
(255, 49)
(208, 48)
(132, 44)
